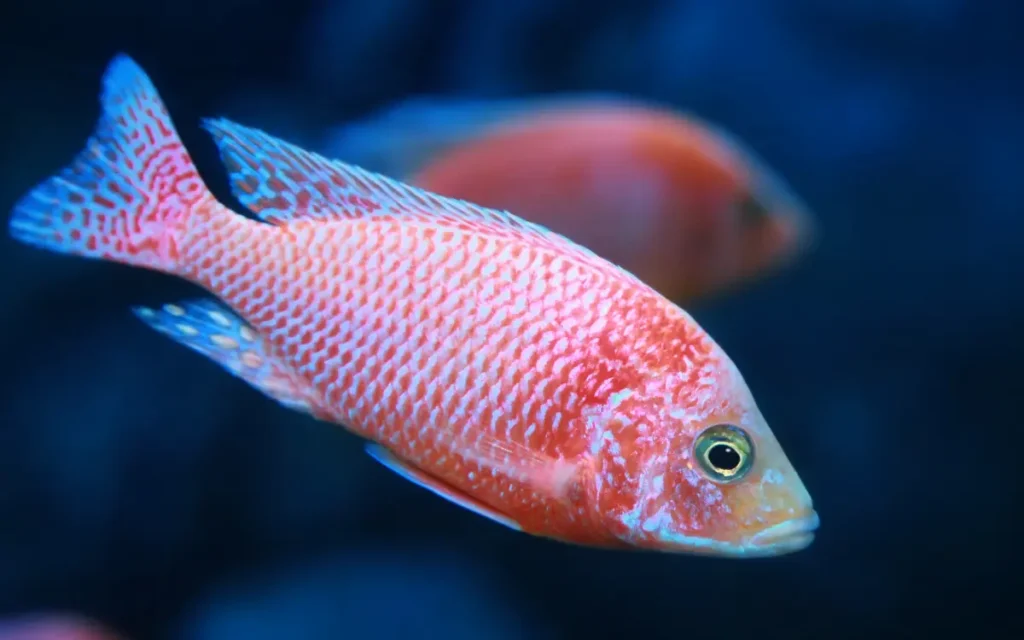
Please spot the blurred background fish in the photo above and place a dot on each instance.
(675, 200)
(52, 627)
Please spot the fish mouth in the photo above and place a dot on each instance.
(788, 536)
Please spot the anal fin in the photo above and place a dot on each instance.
(210, 328)
(389, 460)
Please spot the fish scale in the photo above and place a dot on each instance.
(353, 392)
(487, 359)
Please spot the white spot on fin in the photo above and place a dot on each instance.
(210, 328)
(388, 459)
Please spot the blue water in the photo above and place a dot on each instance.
(142, 486)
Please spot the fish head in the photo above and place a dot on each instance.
(770, 223)
(773, 226)
(713, 479)
(737, 218)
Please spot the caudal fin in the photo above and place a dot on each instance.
(126, 196)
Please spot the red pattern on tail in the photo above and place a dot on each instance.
(125, 196)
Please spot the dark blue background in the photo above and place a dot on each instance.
(141, 485)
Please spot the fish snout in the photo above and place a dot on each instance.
(787, 536)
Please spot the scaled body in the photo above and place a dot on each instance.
(492, 361)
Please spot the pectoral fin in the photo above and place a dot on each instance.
(212, 329)
(438, 487)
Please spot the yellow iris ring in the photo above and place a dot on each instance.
(724, 435)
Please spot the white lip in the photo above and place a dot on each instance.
(780, 539)
(791, 535)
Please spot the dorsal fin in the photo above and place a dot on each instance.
(403, 137)
(281, 183)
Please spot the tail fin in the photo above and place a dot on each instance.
(124, 197)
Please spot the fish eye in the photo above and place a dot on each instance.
(724, 452)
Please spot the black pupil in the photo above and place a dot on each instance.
(722, 456)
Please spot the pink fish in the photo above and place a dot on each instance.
(486, 358)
